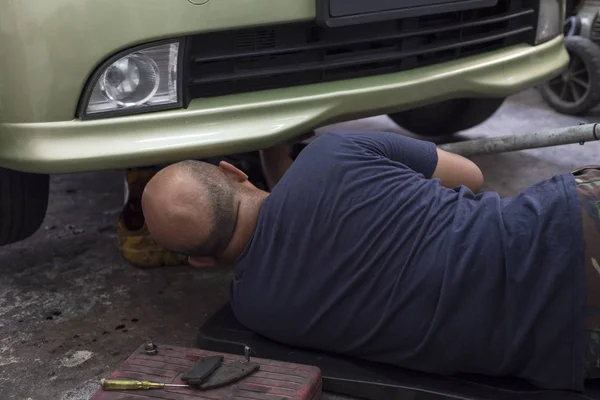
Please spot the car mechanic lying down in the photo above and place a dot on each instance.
(374, 245)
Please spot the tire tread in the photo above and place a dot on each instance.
(447, 117)
(23, 204)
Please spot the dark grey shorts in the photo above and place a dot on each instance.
(588, 187)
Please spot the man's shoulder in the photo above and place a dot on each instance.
(347, 135)
(338, 142)
(328, 136)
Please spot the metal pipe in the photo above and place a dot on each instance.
(555, 137)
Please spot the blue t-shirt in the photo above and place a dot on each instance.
(357, 252)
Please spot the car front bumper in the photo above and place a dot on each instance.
(245, 122)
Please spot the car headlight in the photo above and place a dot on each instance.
(140, 79)
(550, 20)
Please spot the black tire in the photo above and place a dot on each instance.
(577, 90)
(447, 117)
(23, 204)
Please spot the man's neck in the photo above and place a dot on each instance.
(249, 208)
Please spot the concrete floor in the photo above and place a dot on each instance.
(71, 310)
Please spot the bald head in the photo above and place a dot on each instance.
(191, 207)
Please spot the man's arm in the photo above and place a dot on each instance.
(275, 162)
(453, 170)
(424, 157)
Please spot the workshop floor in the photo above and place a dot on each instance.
(71, 310)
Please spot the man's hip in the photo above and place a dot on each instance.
(588, 187)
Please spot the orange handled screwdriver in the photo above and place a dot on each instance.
(132, 384)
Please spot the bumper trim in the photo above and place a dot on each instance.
(245, 122)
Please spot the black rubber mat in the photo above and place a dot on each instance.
(373, 381)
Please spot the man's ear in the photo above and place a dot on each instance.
(202, 262)
(233, 172)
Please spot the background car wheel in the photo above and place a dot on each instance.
(577, 89)
(23, 204)
(447, 117)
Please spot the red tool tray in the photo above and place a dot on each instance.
(274, 380)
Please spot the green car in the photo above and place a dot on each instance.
(88, 85)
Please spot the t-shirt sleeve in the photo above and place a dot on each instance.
(419, 155)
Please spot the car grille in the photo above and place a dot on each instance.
(282, 56)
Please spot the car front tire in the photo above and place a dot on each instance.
(447, 117)
(23, 204)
